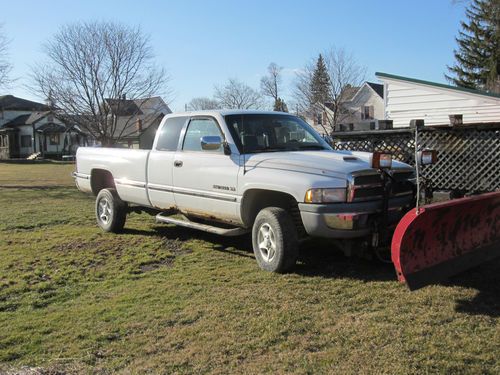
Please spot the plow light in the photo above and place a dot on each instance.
(381, 160)
(427, 157)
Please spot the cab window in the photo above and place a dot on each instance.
(197, 129)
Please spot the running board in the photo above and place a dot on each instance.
(204, 227)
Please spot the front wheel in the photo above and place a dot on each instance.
(275, 240)
(110, 211)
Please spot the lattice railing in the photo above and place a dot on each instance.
(468, 157)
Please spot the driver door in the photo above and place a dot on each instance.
(205, 181)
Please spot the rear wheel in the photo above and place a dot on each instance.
(110, 210)
(274, 239)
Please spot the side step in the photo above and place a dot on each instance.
(204, 227)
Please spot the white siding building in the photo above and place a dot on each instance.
(406, 99)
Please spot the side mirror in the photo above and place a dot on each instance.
(211, 142)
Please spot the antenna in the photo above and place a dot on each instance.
(417, 166)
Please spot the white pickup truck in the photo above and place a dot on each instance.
(232, 172)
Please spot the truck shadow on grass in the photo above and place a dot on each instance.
(320, 258)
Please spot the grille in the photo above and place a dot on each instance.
(369, 186)
(365, 186)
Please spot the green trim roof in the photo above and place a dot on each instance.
(440, 85)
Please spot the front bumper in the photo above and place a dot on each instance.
(350, 220)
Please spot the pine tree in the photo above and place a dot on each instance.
(320, 83)
(478, 56)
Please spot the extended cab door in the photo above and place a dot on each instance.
(161, 161)
(205, 180)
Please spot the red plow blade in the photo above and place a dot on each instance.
(446, 238)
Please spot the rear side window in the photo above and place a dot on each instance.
(168, 139)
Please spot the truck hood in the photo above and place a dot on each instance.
(330, 163)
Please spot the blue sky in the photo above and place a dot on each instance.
(203, 43)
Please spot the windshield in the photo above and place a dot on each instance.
(269, 133)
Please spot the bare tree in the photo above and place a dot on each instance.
(91, 69)
(270, 86)
(202, 103)
(237, 95)
(344, 75)
(5, 66)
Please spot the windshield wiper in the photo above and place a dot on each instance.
(310, 147)
(266, 149)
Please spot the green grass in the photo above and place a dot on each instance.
(163, 299)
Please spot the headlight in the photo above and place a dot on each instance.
(325, 195)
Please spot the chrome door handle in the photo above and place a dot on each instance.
(178, 163)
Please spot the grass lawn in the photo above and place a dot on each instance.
(162, 299)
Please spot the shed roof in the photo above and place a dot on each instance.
(435, 84)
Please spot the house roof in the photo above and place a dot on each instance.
(377, 87)
(349, 92)
(13, 103)
(51, 127)
(19, 120)
(27, 119)
(435, 84)
(123, 107)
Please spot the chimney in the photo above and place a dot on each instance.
(138, 125)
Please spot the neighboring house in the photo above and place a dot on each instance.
(367, 104)
(137, 120)
(362, 107)
(407, 99)
(28, 127)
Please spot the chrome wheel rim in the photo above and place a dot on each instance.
(104, 211)
(266, 240)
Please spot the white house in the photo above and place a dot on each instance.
(367, 104)
(406, 99)
(362, 107)
(28, 127)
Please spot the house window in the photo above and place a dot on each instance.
(367, 112)
(319, 118)
(26, 141)
(54, 139)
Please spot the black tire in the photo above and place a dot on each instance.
(110, 211)
(281, 230)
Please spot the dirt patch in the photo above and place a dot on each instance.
(176, 247)
(146, 267)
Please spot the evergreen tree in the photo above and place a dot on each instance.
(320, 83)
(478, 56)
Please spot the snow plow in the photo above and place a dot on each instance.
(439, 240)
